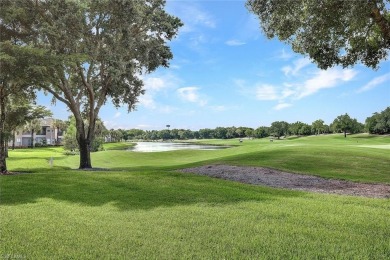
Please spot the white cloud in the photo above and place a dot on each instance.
(374, 82)
(191, 94)
(193, 16)
(166, 109)
(234, 43)
(219, 108)
(143, 126)
(117, 114)
(114, 125)
(298, 65)
(325, 79)
(289, 92)
(197, 21)
(283, 55)
(174, 66)
(156, 83)
(147, 100)
(201, 17)
(281, 106)
(196, 41)
(222, 108)
(266, 92)
(154, 86)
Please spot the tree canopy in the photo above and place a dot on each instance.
(344, 123)
(330, 32)
(17, 72)
(379, 123)
(91, 52)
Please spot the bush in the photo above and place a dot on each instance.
(97, 145)
(71, 153)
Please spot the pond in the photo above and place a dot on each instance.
(165, 146)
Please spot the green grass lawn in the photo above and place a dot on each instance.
(143, 209)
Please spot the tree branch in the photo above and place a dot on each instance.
(382, 23)
(74, 105)
(81, 74)
(89, 73)
(102, 96)
(42, 14)
(91, 101)
(56, 95)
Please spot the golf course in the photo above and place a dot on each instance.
(135, 205)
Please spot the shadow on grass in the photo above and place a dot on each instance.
(131, 190)
(35, 158)
(371, 136)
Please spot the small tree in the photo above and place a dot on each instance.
(249, 132)
(164, 134)
(305, 130)
(206, 133)
(33, 121)
(70, 141)
(295, 128)
(262, 131)
(220, 132)
(279, 128)
(60, 125)
(318, 126)
(343, 123)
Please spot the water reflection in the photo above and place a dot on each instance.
(162, 147)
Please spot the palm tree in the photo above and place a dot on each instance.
(33, 126)
(61, 126)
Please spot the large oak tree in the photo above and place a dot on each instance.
(330, 32)
(94, 51)
(344, 123)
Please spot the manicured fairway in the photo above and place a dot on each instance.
(143, 209)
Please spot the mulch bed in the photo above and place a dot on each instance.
(279, 179)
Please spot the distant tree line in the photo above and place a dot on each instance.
(379, 123)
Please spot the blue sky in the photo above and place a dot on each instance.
(225, 72)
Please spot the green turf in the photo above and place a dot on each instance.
(143, 209)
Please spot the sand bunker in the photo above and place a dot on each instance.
(280, 179)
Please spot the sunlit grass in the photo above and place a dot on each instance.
(72, 214)
(143, 209)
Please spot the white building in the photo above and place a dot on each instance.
(48, 134)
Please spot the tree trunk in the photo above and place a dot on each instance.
(3, 164)
(32, 138)
(345, 134)
(58, 139)
(84, 145)
(85, 153)
(13, 140)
